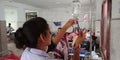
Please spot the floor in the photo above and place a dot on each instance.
(12, 47)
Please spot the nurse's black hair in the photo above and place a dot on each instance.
(27, 36)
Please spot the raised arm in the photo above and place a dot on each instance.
(61, 33)
(77, 48)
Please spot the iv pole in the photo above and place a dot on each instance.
(90, 27)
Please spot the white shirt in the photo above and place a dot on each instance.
(35, 54)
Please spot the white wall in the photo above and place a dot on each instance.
(98, 9)
(115, 31)
(2, 14)
(21, 8)
(11, 17)
(56, 14)
(51, 15)
(115, 40)
(115, 8)
(62, 14)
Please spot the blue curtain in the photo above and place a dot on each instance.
(57, 23)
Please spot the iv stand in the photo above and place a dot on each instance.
(90, 26)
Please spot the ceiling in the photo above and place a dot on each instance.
(52, 3)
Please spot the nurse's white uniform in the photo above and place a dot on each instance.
(35, 54)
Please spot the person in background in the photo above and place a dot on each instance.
(35, 38)
(56, 38)
(86, 43)
(10, 33)
(61, 50)
(9, 29)
(94, 44)
(59, 29)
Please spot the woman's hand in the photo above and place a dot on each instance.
(61, 33)
(70, 23)
(79, 40)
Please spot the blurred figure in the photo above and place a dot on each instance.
(9, 29)
(61, 50)
(10, 33)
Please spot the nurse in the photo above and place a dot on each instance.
(35, 38)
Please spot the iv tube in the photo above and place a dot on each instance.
(76, 12)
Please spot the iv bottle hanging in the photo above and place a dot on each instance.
(76, 12)
(76, 8)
